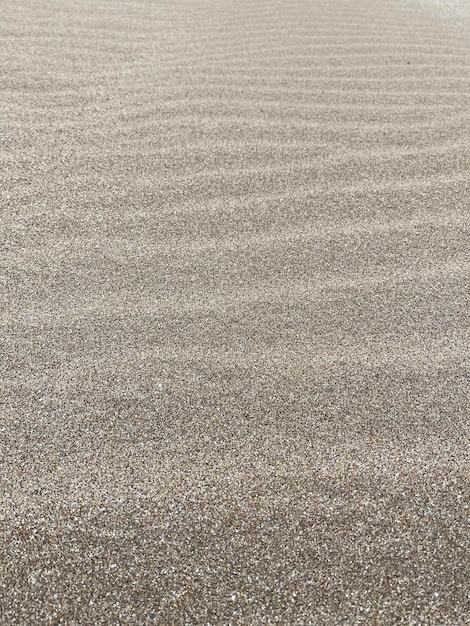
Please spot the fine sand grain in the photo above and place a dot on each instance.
(235, 339)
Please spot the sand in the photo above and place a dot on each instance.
(235, 328)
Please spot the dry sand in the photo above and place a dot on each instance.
(235, 337)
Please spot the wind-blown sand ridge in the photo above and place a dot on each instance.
(235, 330)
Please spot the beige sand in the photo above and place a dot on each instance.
(235, 338)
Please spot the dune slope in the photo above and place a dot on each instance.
(235, 329)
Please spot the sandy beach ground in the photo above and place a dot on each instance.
(235, 313)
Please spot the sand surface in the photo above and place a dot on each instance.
(235, 312)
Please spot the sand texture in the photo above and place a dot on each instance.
(235, 313)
